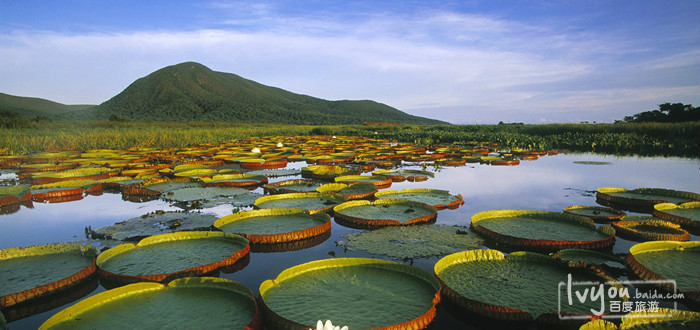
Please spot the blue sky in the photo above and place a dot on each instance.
(459, 61)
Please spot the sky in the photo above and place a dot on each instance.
(464, 62)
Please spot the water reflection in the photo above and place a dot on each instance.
(550, 183)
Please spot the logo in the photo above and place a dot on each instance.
(609, 300)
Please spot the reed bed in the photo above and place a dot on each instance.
(650, 139)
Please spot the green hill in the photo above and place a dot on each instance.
(192, 92)
(30, 107)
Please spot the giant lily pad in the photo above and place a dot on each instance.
(378, 180)
(14, 194)
(663, 318)
(212, 196)
(167, 256)
(354, 191)
(155, 223)
(666, 260)
(595, 213)
(439, 199)
(403, 175)
(383, 212)
(686, 214)
(603, 261)
(357, 292)
(291, 186)
(642, 199)
(326, 172)
(37, 271)
(521, 286)
(235, 180)
(414, 242)
(269, 226)
(649, 229)
(275, 173)
(158, 186)
(541, 230)
(186, 303)
(313, 201)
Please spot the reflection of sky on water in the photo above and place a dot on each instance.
(550, 183)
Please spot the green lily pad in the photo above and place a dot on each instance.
(235, 180)
(269, 226)
(663, 318)
(649, 229)
(188, 195)
(166, 185)
(354, 191)
(595, 213)
(36, 271)
(643, 199)
(414, 242)
(291, 186)
(165, 256)
(270, 173)
(357, 292)
(521, 286)
(439, 199)
(402, 175)
(187, 303)
(313, 201)
(383, 212)
(686, 214)
(542, 230)
(666, 260)
(155, 223)
(326, 172)
(378, 180)
(200, 172)
(594, 258)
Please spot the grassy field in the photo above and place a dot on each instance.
(662, 139)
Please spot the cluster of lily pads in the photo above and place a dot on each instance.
(170, 260)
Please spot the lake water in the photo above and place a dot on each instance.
(550, 183)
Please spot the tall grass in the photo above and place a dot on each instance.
(665, 139)
(111, 135)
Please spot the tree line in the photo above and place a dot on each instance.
(667, 113)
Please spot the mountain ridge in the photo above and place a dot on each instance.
(190, 91)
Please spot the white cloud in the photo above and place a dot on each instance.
(435, 60)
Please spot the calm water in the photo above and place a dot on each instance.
(550, 183)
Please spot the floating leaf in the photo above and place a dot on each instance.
(36, 271)
(518, 287)
(595, 213)
(269, 226)
(541, 230)
(414, 242)
(155, 223)
(313, 201)
(186, 303)
(686, 214)
(439, 199)
(383, 212)
(166, 256)
(357, 292)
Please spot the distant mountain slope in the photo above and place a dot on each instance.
(30, 107)
(192, 92)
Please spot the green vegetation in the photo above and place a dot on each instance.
(654, 139)
(667, 113)
(31, 107)
(190, 91)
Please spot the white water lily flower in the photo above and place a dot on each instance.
(328, 326)
(280, 145)
(255, 150)
(334, 137)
